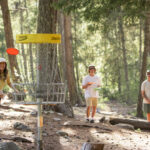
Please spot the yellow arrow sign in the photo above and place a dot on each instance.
(38, 38)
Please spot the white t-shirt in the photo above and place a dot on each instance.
(146, 88)
(90, 90)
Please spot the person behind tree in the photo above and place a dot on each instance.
(145, 91)
(4, 77)
(90, 83)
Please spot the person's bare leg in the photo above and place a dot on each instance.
(88, 111)
(148, 117)
(93, 111)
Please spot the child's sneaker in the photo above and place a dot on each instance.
(87, 120)
(92, 121)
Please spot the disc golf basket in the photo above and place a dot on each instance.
(37, 92)
(53, 93)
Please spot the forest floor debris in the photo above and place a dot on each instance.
(76, 132)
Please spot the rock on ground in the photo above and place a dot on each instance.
(8, 146)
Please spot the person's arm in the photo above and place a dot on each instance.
(10, 84)
(86, 85)
(145, 97)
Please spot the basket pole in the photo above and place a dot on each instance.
(39, 125)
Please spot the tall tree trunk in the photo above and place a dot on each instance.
(105, 72)
(62, 46)
(119, 80)
(144, 62)
(118, 60)
(47, 55)
(30, 48)
(124, 59)
(31, 62)
(9, 40)
(74, 98)
(22, 45)
(140, 45)
(76, 55)
(75, 51)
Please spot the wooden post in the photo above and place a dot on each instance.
(92, 146)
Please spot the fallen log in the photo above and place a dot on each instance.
(87, 125)
(16, 139)
(137, 123)
(92, 146)
(15, 109)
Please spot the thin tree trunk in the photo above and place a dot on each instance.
(144, 62)
(63, 50)
(76, 52)
(117, 63)
(31, 62)
(30, 47)
(62, 46)
(140, 45)
(77, 64)
(119, 80)
(74, 98)
(124, 59)
(22, 46)
(9, 40)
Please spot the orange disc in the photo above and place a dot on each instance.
(12, 51)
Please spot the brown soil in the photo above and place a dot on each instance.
(78, 131)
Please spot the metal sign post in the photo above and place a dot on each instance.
(39, 125)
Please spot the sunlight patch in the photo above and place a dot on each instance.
(8, 132)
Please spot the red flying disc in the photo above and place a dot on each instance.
(12, 51)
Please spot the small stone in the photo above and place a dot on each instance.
(132, 117)
(62, 133)
(60, 114)
(102, 119)
(8, 146)
(51, 112)
(56, 119)
(46, 112)
(66, 137)
(69, 140)
(21, 126)
(78, 137)
(76, 105)
(45, 134)
(33, 113)
(66, 123)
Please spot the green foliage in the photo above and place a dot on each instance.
(96, 40)
(105, 50)
(6, 89)
(138, 130)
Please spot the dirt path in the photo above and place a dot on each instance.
(75, 130)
